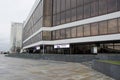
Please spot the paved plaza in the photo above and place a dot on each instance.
(28, 69)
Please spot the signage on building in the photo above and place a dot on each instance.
(62, 46)
(38, 48)
(95, 50)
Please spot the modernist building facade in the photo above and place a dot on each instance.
(16, 37)
(73, 26)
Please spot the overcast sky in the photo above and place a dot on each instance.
(12, 11)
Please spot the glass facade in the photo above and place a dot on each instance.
(65, 11)
(35, 22)
(93, 29)
(47, 13)
(41, 17)
(52, 13)
(34, 39)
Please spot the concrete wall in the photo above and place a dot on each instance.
(69, 58)
(108, 69)
(57, 57)
(108, 56)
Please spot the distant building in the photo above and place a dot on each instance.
(73, 27)
(16, 37)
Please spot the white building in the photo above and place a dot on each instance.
(16, 37)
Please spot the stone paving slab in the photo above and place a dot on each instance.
(26, 69)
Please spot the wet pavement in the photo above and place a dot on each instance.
(28, 69)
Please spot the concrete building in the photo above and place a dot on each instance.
(16, 37)
(73, 27)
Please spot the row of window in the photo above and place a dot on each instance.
(71, 10)
(47, 21)
(38, 19)
(81, 48)
(32, 29)
(34, 39)
(45, 35)
(34, 23)
(113, 46)
(93, 29)
(65, 11)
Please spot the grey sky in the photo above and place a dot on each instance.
(12, 11)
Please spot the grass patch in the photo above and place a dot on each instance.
(110, 61)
